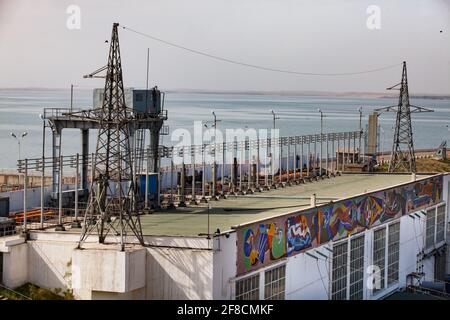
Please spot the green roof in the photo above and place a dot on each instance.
(233, 211)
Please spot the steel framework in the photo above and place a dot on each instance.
(112, 201)
(402, 155)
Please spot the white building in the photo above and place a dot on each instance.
(360, 245)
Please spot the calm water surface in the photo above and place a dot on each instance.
(20, 109)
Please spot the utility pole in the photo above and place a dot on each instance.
(360, 130)
(215, 151)
(321, 135)
(214, 187)
(274, 118)
(402, 155)
(448, 128)
(71, 97)
(19, 140)
(272, 160)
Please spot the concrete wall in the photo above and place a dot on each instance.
(12, 179)
(52, 260)
(15, 266)
(174, 273)
(50, 263)
(33, 198)
(224, 266)
(104, 269)
(173, 263)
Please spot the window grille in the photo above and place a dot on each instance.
(275, 283)
(357, 268)
(379, 255)
(430, 228)
(339, 272)
(248, 288)
(440, 224)
(393, 252)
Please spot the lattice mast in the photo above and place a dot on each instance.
(403, 136)
(402, 154)
(111, 205)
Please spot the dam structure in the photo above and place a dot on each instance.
(271, 217)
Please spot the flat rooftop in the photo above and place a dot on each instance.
(233, 211)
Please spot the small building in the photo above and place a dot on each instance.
(142, 101)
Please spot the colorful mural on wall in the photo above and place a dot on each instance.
(268, 241)
(300, 232)
(263, 242)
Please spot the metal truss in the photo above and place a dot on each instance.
(111, 206)
(402, 155)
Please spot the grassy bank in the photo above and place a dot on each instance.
(425, 166)
(30, 291)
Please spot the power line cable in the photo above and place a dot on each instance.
(254, 66)
(321, 278)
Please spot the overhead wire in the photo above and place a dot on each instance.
(255, 66)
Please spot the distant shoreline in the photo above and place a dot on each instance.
(373, 95)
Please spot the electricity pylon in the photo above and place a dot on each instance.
(402, 155)
(111, 205)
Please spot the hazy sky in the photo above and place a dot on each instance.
(320, 36)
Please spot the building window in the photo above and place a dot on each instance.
(356, 268)
(379, 254)
(248, 288)
(275, 283)
(430, 228)
(393, 252)
(440, 224)
(339, 272)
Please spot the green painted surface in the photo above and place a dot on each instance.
(243, 209)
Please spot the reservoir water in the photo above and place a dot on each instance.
(20, 109)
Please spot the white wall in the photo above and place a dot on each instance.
(307, 278)
(224, 266)
(108, 269)
(50, 263)
(174, 273)
(412, 242)
(159, 273)
(15, 266)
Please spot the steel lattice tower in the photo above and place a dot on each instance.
(402, 155)
(111, 206)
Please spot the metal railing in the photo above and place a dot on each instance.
(296, 159)
(168, 152)
(89, 113)
(58, 113)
